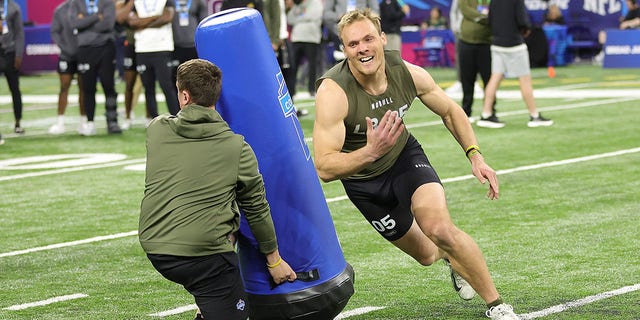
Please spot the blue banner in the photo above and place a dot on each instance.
(40, 53)
(622, 49)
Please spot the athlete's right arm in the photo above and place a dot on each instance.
(329, 135)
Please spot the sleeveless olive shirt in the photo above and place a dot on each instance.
(399, 95)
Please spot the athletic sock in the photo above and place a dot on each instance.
(486, 115)
(535, 115)
(495, 303)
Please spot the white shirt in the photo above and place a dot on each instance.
(153, 39)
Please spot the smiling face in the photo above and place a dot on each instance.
(363, 44)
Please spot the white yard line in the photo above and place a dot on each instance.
(72, 169)
(175, 311)
(581, 302)
(70, 244)
(329, 200)
(46, 302)
(357, 312)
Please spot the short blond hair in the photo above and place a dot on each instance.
(359, 15)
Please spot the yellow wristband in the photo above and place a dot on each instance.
(472, 153)
(271, 266)
(472, 150)
(471, 147)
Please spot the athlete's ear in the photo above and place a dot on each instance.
(384, 38)
(184, 98)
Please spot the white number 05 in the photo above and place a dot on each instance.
(384, 223)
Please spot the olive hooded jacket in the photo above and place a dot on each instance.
(198, 175)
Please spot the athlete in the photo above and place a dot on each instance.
(94, 22)
(132, 84)
(359, 138)
(154, 49)
(63, 36)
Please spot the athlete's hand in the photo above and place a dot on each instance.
(484, 173)
(385, 135)
(279, 269)
(282, 273)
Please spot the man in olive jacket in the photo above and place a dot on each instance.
(199, 174)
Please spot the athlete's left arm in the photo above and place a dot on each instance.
(437, 101)
(456, 122)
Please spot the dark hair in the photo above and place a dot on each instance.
(202, 79)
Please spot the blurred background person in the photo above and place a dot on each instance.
(629, 21)
(510, 24)
(95, 25)
(305, 19)
(553, 15)
(132, 82)
(392, 12)
(436, 19)
(63, 36)
(455, 20)
(185, 20)
(154, 52)
(332, 12)
(474, 53)
(12, 42)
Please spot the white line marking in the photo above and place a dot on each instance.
(69, 244)
(175, 311)
(344, 197)
(580, 302)
(65, 170)
(356, 312)
(46, 302)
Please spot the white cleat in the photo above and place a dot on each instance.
(87, 129)
(502, 312)
(462, 287)
(56, 129)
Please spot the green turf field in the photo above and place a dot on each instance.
(561, 243)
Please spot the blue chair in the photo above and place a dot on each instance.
(432, 51)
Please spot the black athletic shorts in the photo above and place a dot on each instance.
(213, 280)
(385, 200)
(67, 66)
(129, 56)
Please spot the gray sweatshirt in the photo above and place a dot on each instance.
(306, 21)
(184, 33)
(94, 29)
(62, 31)
(12, 40)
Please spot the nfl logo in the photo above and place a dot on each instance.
(240, 304)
